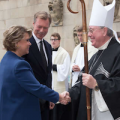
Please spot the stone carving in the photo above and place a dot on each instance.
(117, 8)
(76, 40)
(56, 12)
(107, 2)
(118, 34)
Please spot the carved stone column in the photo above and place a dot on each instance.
(76, 40)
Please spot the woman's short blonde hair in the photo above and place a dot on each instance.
(13, 35)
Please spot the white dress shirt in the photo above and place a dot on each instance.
(38, 44)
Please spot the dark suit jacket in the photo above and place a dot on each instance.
(20, 91)
(35, 60)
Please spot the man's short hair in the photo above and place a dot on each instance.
(109, 31)
(56, 35)
(42, 15)
(80, 29)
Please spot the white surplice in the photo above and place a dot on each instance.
(78, 59)
(62, 69)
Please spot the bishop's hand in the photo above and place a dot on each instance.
(88, 80)
(64, 98)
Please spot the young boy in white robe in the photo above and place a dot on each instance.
(60, 73)
(77, 62)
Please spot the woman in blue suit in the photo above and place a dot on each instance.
(19, 90)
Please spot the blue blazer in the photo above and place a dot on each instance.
(20, 91)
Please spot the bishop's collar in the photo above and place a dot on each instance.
(103, 47)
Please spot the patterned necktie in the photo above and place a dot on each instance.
(43, 55)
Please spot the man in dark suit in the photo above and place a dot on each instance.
(40, 56)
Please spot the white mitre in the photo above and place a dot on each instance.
(103, 15)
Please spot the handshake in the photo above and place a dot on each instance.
(64, 98)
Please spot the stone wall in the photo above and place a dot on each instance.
(20, 12)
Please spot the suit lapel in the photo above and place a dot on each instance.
(36, 53)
